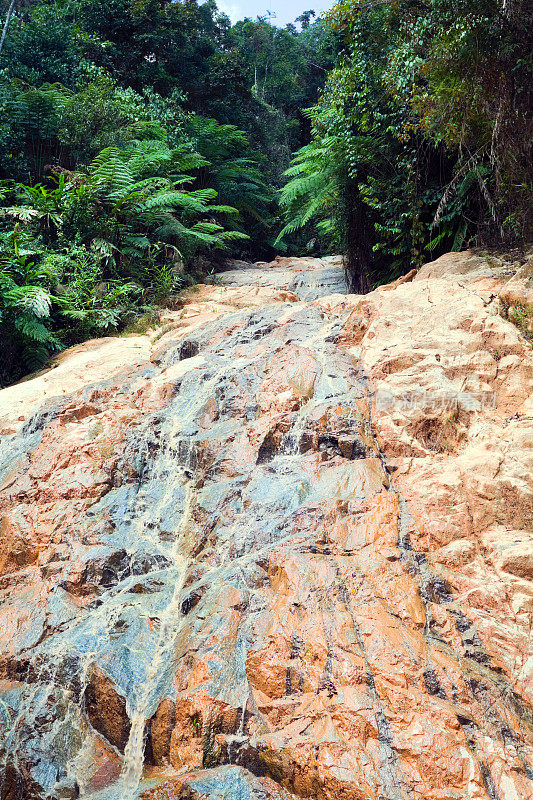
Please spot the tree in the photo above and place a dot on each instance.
(429, 110)
(305, 19)
(9, 14)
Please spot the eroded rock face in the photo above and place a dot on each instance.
(284, 550)
(219, 784)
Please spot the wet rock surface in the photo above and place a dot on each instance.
(283, 550)
(308, 278)
(224, 783)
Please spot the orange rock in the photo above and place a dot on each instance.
(282, 550)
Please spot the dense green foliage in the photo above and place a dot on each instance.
(139, 140)
(78, 258)
(143, 141)
(422, 136)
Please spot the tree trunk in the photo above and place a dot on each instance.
(358, 245)
(6, 24)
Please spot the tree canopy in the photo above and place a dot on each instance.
(422, 135)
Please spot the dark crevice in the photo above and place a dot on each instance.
(188, 349)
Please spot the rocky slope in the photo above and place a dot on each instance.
(280, 548)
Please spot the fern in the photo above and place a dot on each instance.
(312, 189)
(85, 251)
(111, 169)
(232, 236)
(33, 300)
(206, 227)
(142, 187)
(168, 200)
(233, 172)
(35, 355)
(31, 328)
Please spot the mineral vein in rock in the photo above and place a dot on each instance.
(280, 548)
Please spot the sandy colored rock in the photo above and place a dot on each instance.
(283, 550)
(73, 370)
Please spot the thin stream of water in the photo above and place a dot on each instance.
(169, 626)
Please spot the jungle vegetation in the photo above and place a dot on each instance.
(142, 142)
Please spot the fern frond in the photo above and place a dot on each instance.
(168, 200)
(223, 209)
(30, 327)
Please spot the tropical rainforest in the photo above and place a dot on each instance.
(143, 142)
